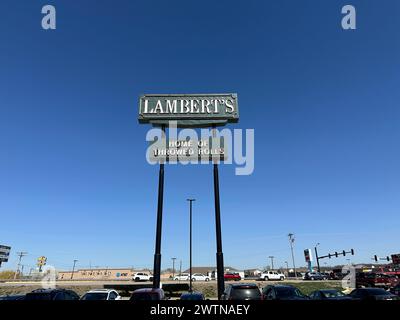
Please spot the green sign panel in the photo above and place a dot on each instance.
(189, 110)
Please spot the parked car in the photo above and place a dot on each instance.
(142, 276)
(148, 294)
(372, 294)
(52, 294)
(243, 291)
(232, 276)
(192, 296)
(101, 294)
(329, 294)
(282, 292)
(396, 290)
(377, 280)
(12, 297)
(271, 275)
(182, 277)
(200, 277)
(314, 276)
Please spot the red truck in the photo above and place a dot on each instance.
(232, 276)
(378, 280)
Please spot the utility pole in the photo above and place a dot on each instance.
(291, 242)
(272, 262)
(287, 268)
(20, 255)
(173, 268)
(180, 268)
(73, 269)
(316, 256)
(190, 243)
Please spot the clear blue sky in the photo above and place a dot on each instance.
(324, 103)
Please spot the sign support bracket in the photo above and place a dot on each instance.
(157, 253)
(219, 255)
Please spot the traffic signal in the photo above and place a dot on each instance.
(344, 252)
(352, 252)
(329, 255)
(336, 254)
(376, 258)
(387, 258)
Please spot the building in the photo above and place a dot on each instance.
(99, 274)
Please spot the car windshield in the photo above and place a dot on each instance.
(333, 294)
(287, 292)
(95, 296)
(378, 292)
(144, 296)
(192, 297)
(39, 296)
(242, 293)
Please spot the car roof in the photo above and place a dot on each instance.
(48, 290)
(237, 285)
(142, 290)
(100, 290)
(280, 286)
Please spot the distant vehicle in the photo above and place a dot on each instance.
(282, 292)
(232, 276)
(192, 296)
(329, 294)
(12, 297)
(372, 294)
(147, 294)
(200, 277)
(271, 275)
(377, 280)
(101, 294)
(182, 277)
(396, 290)
(141, 276)
(314, 276)
(245, 291)
(51, 294)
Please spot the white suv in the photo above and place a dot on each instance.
(182, 277)
(141, 276)
(101, 294)
(200, 277)
(272, 275)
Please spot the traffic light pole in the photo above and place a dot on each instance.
(316, 257)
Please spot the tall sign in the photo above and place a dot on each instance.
(396, 259)
(188, 111)
(308, 257)
(4, 253)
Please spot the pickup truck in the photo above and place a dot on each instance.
(271, 275)
(379, 280)
(141, 276)
(232, 276)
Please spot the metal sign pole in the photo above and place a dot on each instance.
(220, 255)
(157, 254)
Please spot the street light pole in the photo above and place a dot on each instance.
(291, 241)
(73, 269)
(272, 262)
(316, 256)
(287, 268)
(173, 268)
(190, 243)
